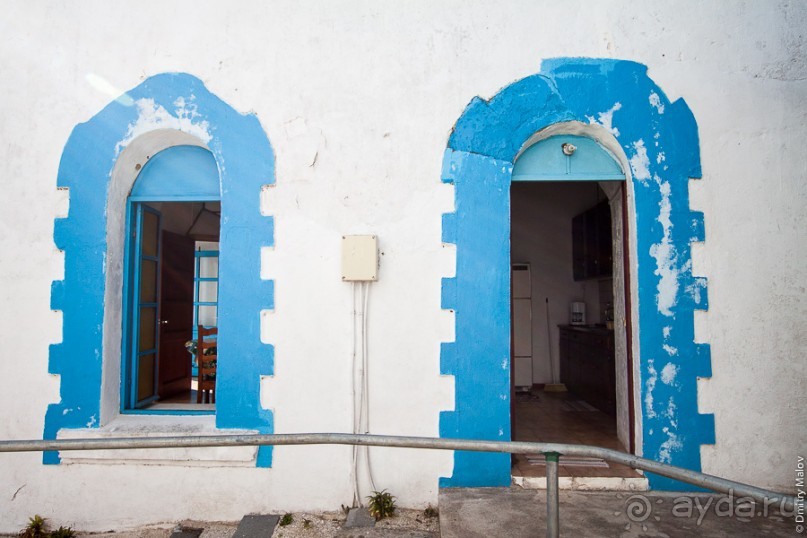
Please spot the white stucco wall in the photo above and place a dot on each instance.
(358, 100)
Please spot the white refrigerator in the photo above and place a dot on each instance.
(521, 308)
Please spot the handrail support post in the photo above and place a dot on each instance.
(552, 495)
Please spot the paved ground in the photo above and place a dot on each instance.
(406, 523)
(516, 513)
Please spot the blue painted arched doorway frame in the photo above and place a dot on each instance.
(660, 141)
(245, 163)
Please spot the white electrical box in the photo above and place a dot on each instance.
(359, 258)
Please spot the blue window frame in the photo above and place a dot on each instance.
(205, 292)
(205, 288)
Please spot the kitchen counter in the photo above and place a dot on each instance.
(588, 328)
(587, 364)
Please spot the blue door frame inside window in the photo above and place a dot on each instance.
(131, 320)
(198, 279)
(140, 349)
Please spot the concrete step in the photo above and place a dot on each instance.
(517, 513)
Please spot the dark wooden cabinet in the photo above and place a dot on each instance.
(587, 365)
(591, 243)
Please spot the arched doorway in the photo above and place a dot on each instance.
(659, 140)
(571, 368)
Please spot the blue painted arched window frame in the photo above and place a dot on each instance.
(660, 140)
(245, 161)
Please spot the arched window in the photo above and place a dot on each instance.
(170, 280)
(103, 157)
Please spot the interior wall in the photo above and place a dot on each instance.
(541, 235)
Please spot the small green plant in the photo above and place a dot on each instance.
(35, 528)
(306, 523)
(430, 512)
(287, 519)
(381, 505)
(63, 532)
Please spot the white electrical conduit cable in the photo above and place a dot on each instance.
(354, 478)
(360, 390)
(365, 373)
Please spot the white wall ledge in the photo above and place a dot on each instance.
(159, 426)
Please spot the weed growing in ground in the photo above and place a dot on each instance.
(381, 505)
(287, 519)
(63, 532)
(36, 528)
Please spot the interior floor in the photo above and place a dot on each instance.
(183, 401)
(561, 417)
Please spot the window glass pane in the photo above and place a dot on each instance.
(151, 226)
(207, 316)
(148, 281)
(146, 367)
(209, 267)
(148, 317)
(208, 292)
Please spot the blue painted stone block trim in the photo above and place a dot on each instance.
(245, 162)
(479, 361)
(660, 140)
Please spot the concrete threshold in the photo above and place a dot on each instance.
(585, 483)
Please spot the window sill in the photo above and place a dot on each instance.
(159, 426)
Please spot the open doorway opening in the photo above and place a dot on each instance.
(571, 370)
(174, 295)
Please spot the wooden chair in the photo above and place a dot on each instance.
(206, 357)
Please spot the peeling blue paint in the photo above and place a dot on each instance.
(660, 140)
(246, 163)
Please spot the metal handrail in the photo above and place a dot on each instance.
(551, 452)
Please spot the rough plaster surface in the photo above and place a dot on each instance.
(358, 121)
